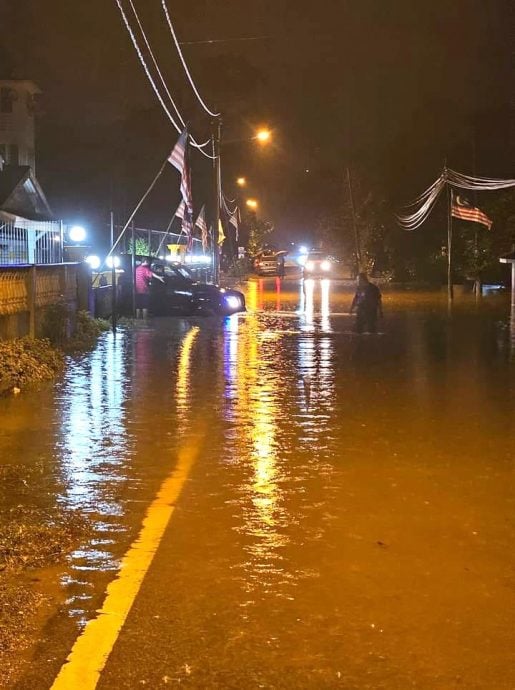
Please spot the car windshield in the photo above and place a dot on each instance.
(171, 271)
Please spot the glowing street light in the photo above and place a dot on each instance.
(77, 233)
(263, 135)
(241, 182)
(252, 204)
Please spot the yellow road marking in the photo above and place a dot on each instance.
(91, 650)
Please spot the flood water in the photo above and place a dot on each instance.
(349, 521)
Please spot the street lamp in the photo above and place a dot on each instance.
(263, 135)
(241, 182)
(252, 204)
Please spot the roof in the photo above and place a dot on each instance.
(29, 85)
(21, 194)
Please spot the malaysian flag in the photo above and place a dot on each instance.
(463, 209)
(179, 159)
(180, 210)
(201, 224)
(234, 221)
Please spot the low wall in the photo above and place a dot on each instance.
(27, 291)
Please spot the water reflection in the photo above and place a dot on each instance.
(92, 423)
(249, 365)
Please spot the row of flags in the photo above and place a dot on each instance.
(179, 158)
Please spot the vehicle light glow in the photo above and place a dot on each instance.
(93, 261)
(232, 301)
(302, 260)
(325, 265)
(310, 266)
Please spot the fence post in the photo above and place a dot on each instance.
(31, 299)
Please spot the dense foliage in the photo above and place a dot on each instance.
(25, 361)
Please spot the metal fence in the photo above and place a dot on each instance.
(30, 242)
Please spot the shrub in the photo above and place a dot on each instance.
(24, 361)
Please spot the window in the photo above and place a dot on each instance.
(6, 100)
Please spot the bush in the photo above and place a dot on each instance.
(25, 361)
(87, 331)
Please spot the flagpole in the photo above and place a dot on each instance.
(215, 141)
(450, 288)
(138, 206)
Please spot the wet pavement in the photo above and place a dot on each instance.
(348, 521)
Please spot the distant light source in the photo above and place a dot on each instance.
(252, 203)
(93, 261)
(241, 182)
(263, 135)
(113, 261)
(77, 233)
(303, 249)
(325, 265)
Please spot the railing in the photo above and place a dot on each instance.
(30, 242)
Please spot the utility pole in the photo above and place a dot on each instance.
(113, 279)
(450, 287)
(216, 147)
(357, 238)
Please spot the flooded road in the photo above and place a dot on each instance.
(347, 517)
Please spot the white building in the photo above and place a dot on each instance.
(17, 130)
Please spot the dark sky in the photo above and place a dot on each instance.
(391, 86)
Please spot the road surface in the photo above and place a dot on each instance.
(294, 506)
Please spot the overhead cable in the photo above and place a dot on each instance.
(183, 61)
(178, 127)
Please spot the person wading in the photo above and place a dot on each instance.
(144, 275)
(368, 304)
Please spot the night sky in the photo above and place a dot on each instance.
(392, 87)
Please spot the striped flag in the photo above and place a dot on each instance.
(180, 210)
(463, 209)
(201, 224)
(234, 221)
(179, 159)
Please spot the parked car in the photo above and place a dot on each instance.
(180, 293)
(269, 263)
(318, 264)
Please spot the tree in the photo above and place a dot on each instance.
(259, 233)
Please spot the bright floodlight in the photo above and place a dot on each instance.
(77, 233)
(263, 135)
(93, 261)
(303, 250)
(113, 261)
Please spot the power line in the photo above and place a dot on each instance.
(151, 79)
(224, 40)
(183, 61)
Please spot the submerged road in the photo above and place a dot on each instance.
(293, 505)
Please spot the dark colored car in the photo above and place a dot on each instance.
(180, 294)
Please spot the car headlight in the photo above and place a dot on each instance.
(325, 265)
(309, 266)
(232, 301)
(302, 260)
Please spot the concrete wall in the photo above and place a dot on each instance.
(27, 291)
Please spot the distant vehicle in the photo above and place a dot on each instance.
(318, 264)
(180, 294)
(269, 263)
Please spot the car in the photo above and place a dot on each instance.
(318, 264)
(179, 293)
(269, 263)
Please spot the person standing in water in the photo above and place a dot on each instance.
(368, 304)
